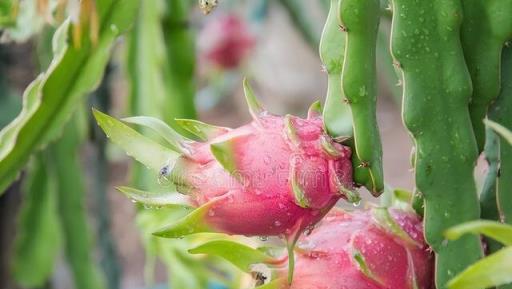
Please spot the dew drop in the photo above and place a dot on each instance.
(277, 223)
(308, 230)
(263, 238)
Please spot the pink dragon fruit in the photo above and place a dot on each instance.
(371, 249)
(375, 248)
(225, 41)
(274, 176)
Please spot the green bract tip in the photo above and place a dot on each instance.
(254, 105)
(190, 224)
(200, 129)
(315, 110)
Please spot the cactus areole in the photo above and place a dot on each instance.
(274, 176)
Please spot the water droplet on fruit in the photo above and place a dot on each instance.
(277, 223)
(308, 230)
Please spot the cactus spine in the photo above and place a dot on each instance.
(425, 44)
(360, 20)
(485, 28)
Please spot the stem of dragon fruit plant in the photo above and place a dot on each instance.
(180, 68)
(501, 112)
(336, 114)
(485, 28)
(425, 44)
(360, 21)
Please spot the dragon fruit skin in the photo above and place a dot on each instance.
(388, 243)
(274, 176)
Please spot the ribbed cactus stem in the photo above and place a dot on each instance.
(337, 116)
(501, 112)
(426, 46)
(485, 28)
(360, 20)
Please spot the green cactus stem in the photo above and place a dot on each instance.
(501, 112)
(485, 28)
(488, 202)
(426, 46)
(336, 114)
(360, 21)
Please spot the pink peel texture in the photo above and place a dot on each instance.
(281, 181)
(326, 258)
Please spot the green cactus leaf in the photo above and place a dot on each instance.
(359, 85)
(155, 200)
(499, 129)
(240, 255)
(255, 108)
(491, 271)
(386, 221)
(73, 216)
(190, 224)
(337, 115)
(176, 141)
(202, 130)
(315, 110)
(72, 75)
(143, 149)
(38, 220)
(498, 231)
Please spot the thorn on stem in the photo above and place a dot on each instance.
(364, 164)
(397, 64)
(342, 28)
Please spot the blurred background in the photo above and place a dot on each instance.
(63, 224)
